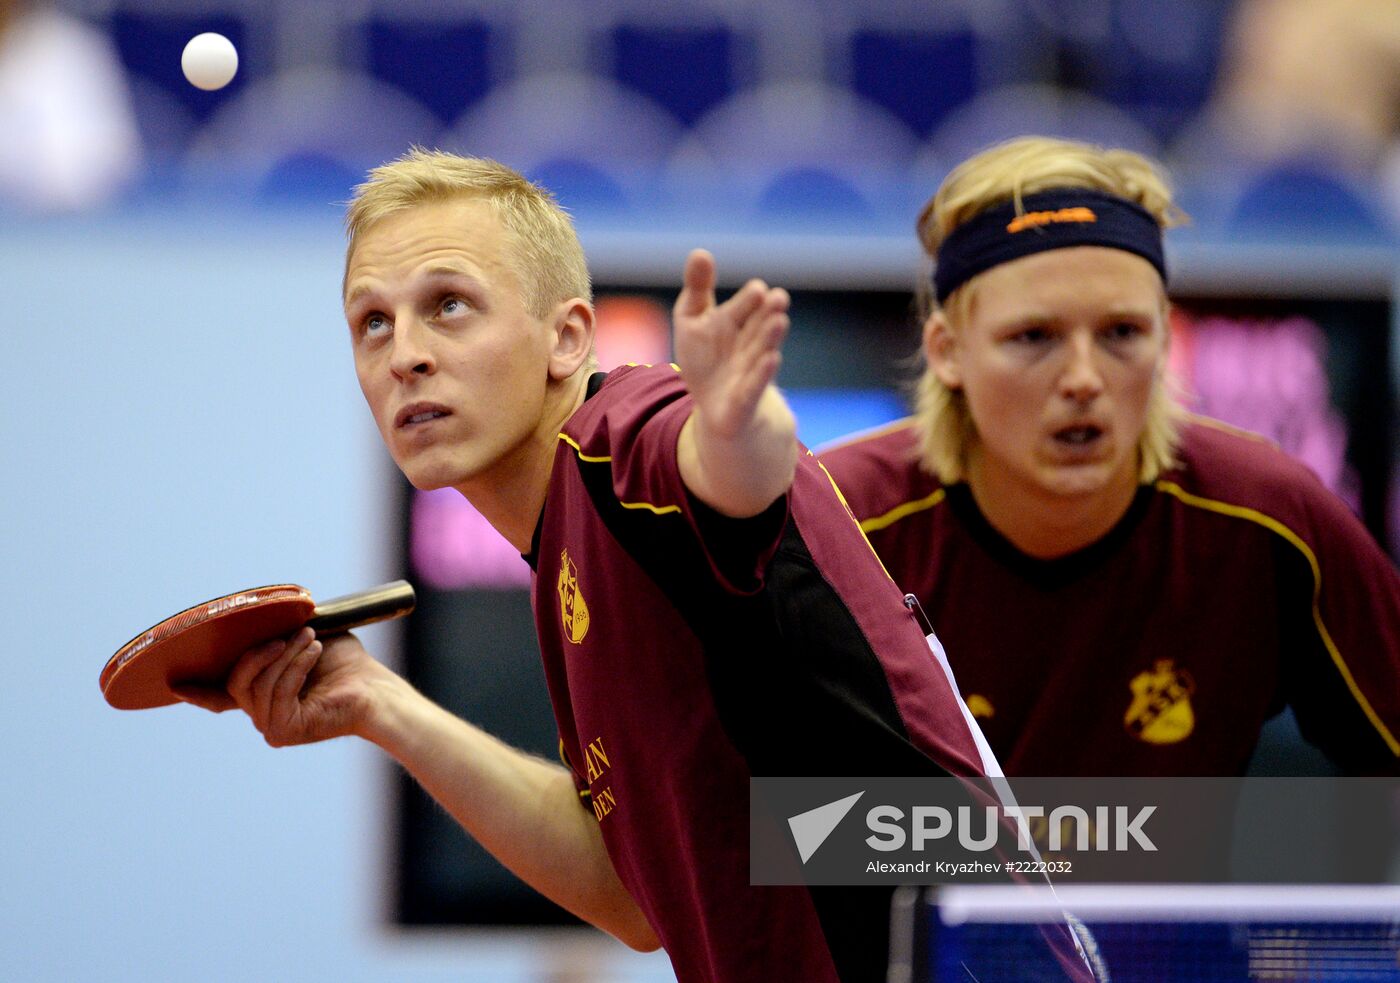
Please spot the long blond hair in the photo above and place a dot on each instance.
(1009, 172)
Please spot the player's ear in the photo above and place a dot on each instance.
(573, 338)
(942, 351)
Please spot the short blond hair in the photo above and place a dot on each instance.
(1009, 172)
(548, 258)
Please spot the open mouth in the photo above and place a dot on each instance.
(424, 417)
(1080, 436)
(420, 413)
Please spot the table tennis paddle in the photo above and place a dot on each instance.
(200, 644)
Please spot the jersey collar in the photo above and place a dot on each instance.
(595, 382)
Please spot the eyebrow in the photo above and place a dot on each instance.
(432, 273)
(1131, 311)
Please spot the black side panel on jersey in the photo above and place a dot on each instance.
(794, 681)
(1327, 712)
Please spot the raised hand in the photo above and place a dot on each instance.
(738, 450)
(728, 353)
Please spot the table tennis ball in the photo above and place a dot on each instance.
(209, 61)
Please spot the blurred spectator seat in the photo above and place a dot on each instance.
(920, 77)
(309, 133)
(811, 192)
(688, 68)
(1301, 200)
(446, 63)
(1156, 60)
(795, 149)
(1017, 110)
(68, 136)
(590, 141)
(923, 61)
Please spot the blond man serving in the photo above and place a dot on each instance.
(707, 609)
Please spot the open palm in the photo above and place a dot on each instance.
(728, 353)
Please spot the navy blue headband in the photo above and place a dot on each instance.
(1050, 219)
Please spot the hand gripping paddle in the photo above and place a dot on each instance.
(199, 645)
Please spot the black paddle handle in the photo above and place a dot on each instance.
(382, 603)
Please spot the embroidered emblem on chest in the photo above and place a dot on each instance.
(1160, 712)
(572, 608)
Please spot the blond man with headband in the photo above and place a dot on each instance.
(703, 600)
(1122, 589)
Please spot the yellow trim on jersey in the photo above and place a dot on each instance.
(647, 365)
(862, 436)
(579, 451)
(900, 511)
(658, 509)
(845, 505)
(1211, 423)
(1272, 524)
(876, 523)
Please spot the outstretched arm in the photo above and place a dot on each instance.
(738, 451)
(522, 809)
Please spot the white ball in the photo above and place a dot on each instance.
(209, 61)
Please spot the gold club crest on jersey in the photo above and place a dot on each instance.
(1160, 712)
(980, 707)
(572, 607)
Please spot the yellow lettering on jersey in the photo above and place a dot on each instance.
(595, 760)
(603, 803)
(1160, 711)
(572, 608)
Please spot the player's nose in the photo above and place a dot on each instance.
(411, 350)
(1082, 378)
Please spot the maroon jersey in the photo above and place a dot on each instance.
(1235, 584)
(686, 652)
